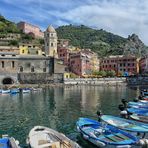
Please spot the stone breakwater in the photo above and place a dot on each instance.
(95, 81)
(137, 80)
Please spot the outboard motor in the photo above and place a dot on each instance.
(121, 107)
(123, 111)
(124, 103)
(136, 100)
(143, 143)
(99, 113)
(140, 97)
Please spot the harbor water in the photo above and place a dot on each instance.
(59, 108)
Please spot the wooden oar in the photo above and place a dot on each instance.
(61, 141)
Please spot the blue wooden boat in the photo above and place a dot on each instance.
(15, 91)
(104, 135)
(5, 91)
(138, 105)
(9, 143)
(125, 124)
(143, 112)
(139, 118)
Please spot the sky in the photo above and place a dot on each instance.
(121, 17)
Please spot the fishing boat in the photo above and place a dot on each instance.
(125, 124)
(8, 142)
(15, 91)
(104, 135)
(138, 105)
(143, 112)
(41, 137)
(26, 90)
(145, 98)
(5, 91)
(139, 118)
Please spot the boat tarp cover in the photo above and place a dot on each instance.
(109, 135)
(125, 124)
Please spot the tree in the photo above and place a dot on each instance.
(102, 73)
(13, 43)
(111, 73)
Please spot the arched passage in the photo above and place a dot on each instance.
(8, 81)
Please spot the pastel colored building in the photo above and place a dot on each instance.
(30, 29)
(122, 65)
(29, 49)
(143, 65)
(5, 50)
(64, 51)
(82, 63)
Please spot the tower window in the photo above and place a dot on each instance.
(2, 64)
(12, 64)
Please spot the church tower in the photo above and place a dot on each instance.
(50, 38)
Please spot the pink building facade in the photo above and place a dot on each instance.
(122, 65)
(82, 63)
(30, 29)
(63, 54)
(143, 65)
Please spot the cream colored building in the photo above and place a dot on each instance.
(50, 38)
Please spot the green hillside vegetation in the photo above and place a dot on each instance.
(101, 41)
(7, 26)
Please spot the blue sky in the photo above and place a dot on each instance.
(122, 17)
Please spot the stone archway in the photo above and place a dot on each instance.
(7, 80)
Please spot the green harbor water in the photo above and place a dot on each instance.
(59, 108)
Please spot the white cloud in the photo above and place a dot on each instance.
(121, 17)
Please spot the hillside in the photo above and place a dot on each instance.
(101, 41)
(7, 26)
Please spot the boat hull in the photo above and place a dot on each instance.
(101, 136)
(125, 124)
(41, 136)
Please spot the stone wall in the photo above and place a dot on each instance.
(137, 81)
(35, 78)
(95, 81)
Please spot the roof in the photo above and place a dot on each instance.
(51, 29)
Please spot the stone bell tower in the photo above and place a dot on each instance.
(50, 38)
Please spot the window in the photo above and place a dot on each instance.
(12, 64)
(32, 69)
(51, 44)
(51, 34)
(44, 69)
(22, 51)
(21, 69)
(2, 64)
